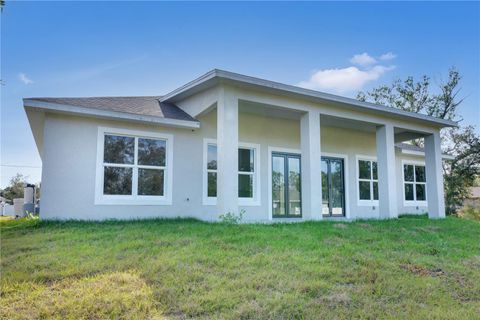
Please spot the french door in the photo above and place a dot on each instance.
(286, 185)
(333, 187)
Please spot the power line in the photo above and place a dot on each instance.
(15, 166)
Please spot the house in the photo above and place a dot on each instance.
(227, 142)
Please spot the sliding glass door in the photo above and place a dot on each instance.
(333, 187)
(286, 186)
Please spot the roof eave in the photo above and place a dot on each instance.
(32, 104)
(312, 94)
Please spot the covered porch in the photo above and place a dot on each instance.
(314, 176)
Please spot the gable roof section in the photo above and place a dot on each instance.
(216, 76)
(146, 108)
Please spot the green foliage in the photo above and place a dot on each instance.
(463, 143)
(15, 187)
(408, 268)
(461, 173)
(232, 218)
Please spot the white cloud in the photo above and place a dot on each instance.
(23, 77)
(344, 79)
(388, 56)
(363, 59)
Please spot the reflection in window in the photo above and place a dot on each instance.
(246, 172)
(414, 181)
(120, 163)
(367, 180)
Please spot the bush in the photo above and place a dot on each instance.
(232, 218)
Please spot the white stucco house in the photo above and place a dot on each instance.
(227, 142)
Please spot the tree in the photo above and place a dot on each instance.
(463, 171)
(15, 187)
(463, 143)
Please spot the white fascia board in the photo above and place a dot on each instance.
(312, 94)
(97, 113)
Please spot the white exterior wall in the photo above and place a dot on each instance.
(69, 165)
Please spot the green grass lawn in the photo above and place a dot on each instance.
(406, 268)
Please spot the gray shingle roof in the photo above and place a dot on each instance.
(147, 105)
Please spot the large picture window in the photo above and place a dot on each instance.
(367, 180)
(414, 182)
(133, 167)
(247, 173)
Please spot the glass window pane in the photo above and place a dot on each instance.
(420, 173)
(212, 157)
(409, 191)
(420, 192)
(364, 169)
(151, 152)
(245, 186)
(325, 204)
(408, 172)
(245, 160)
(117, 181)
(374, 170)
(118, 149)
(295, 205)
(337, 186)
(375, 190)
(212, 184)
(150, 182)
(324, 168)
(278, 186)
(364, 189)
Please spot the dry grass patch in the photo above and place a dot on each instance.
(119, 295)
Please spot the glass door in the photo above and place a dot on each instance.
(286, 186)
(333, 187)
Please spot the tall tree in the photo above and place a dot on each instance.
(441, 101)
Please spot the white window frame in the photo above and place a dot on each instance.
(414, 202)
(134, 199)
(363, 202)
(256, 200)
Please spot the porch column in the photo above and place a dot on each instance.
(434, 175)
(387, 185)
(311, 166)
(227, 152)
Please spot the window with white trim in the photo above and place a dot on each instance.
(414, 182)
(367, 180)
(246, 171)
(132, 168)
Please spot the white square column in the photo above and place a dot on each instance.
(311, 166)
(387, 185)
(227, 152)
(434, 176)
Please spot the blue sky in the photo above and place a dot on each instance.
(150, 48)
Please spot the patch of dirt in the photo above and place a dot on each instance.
(340, 226)
(422, 271)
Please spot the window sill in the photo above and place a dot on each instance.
(134, 201)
